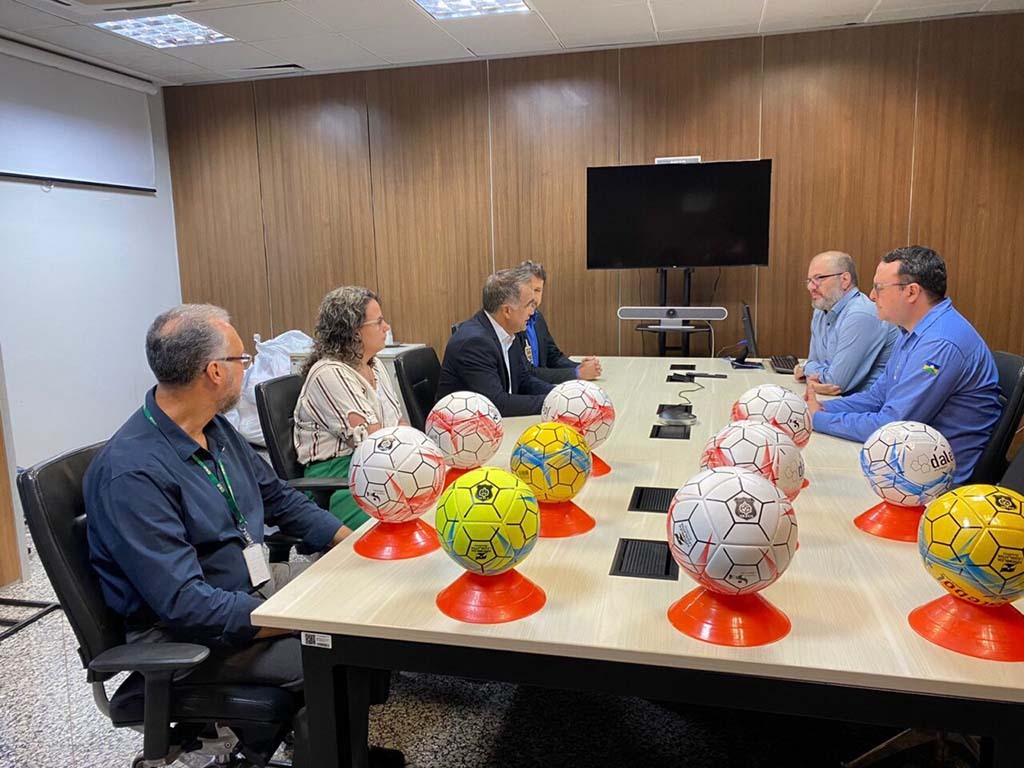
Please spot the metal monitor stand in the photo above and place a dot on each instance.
(663, 301)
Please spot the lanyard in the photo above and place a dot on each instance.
(224, 488)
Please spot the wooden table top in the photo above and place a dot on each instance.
(847, 593)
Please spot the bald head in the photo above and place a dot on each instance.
(830, 275)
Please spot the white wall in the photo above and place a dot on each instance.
(83, 271)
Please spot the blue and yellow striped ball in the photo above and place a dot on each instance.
(553, 459)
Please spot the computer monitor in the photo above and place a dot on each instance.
(748, 331)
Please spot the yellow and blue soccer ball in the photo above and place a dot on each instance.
(553, 459)
(487, 521)
(972, 542)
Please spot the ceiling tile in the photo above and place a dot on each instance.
(503, 34)
(680, 35)
(705, 14)
(801, 23)
(221, 57)
(602, 25)
(915, 9)
(407, 44)
(349, 15)
(89, 15)
(566, 6)
(91, 41)
(924, 5)
(811, 8)
(1003, 5)
(322, 52)
(253, 23)
(18, 18)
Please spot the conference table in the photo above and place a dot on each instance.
(850, 655)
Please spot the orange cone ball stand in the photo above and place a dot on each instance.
(992, 632)
(559, 519)
(397, 541)
(741, 621)
(891, 521)
(478, 599)
(454, 473)
(600, 466)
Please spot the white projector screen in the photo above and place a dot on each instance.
(65, 127)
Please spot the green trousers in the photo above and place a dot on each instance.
(343, 506)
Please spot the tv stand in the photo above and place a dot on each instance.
(686, 330)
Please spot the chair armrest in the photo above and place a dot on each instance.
(319, 483)
(149, 657)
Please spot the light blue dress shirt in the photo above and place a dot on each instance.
(941, 374)
(849, 344)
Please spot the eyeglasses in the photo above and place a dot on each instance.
(879, 287)
(378, 322)
(245, 360)
(819, 279)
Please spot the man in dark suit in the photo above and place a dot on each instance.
(483, 355)
(548, 361)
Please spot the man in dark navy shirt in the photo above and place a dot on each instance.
(177, 502)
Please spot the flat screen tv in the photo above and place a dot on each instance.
(678, 215)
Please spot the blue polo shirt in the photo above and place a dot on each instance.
(941, 374)
(849, 344)
(164, 541)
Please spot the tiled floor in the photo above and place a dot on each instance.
(48, 720)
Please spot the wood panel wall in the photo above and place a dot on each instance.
(315, 180)
(421, 180)
(551, 118)
(431, 195)
(968, 197)
(10, 550)
(211, 136)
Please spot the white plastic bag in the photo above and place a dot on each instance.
(272, 360)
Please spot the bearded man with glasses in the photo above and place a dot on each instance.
(940, 373)
(849, 344)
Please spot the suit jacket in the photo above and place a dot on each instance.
(549, 363)
(473, 361)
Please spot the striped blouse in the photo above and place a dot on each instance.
(331, 392)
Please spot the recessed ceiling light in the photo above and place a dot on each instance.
(171, 31)
(460, 9)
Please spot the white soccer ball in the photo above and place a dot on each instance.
(396, 474)
(908, 463)
(731, 530)
(582, 405)
(758, 447)
(778, 406)
(466, 427)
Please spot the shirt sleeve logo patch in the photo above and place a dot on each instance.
(932, 368)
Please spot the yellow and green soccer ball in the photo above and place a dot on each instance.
(487, 521)
(972, 542)
(553, 459)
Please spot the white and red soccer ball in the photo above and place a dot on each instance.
(732, 530)
(778, 406)
(396, 474)
(584, 406)
(908, 463)
(760, 448)
(466, 427)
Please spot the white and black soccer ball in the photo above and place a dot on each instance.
(466, 427)
(908, 463)
(731, 530)
(778, 406)
(761, 448)
(396, 474)
(584, 406)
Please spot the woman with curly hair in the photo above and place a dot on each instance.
(346, 395)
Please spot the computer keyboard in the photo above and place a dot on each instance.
(783, 363)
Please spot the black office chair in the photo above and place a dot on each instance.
(455, 326)
(275, 404)
(149, 699)
(418, 372)
(993, 462)
(1013, 478)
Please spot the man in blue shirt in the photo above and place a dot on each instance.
(940, 372)
(549, 362)
(176, 505)
(849, 344)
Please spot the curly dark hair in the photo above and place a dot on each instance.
(336, 337)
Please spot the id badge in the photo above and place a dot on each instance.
(259, 571)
